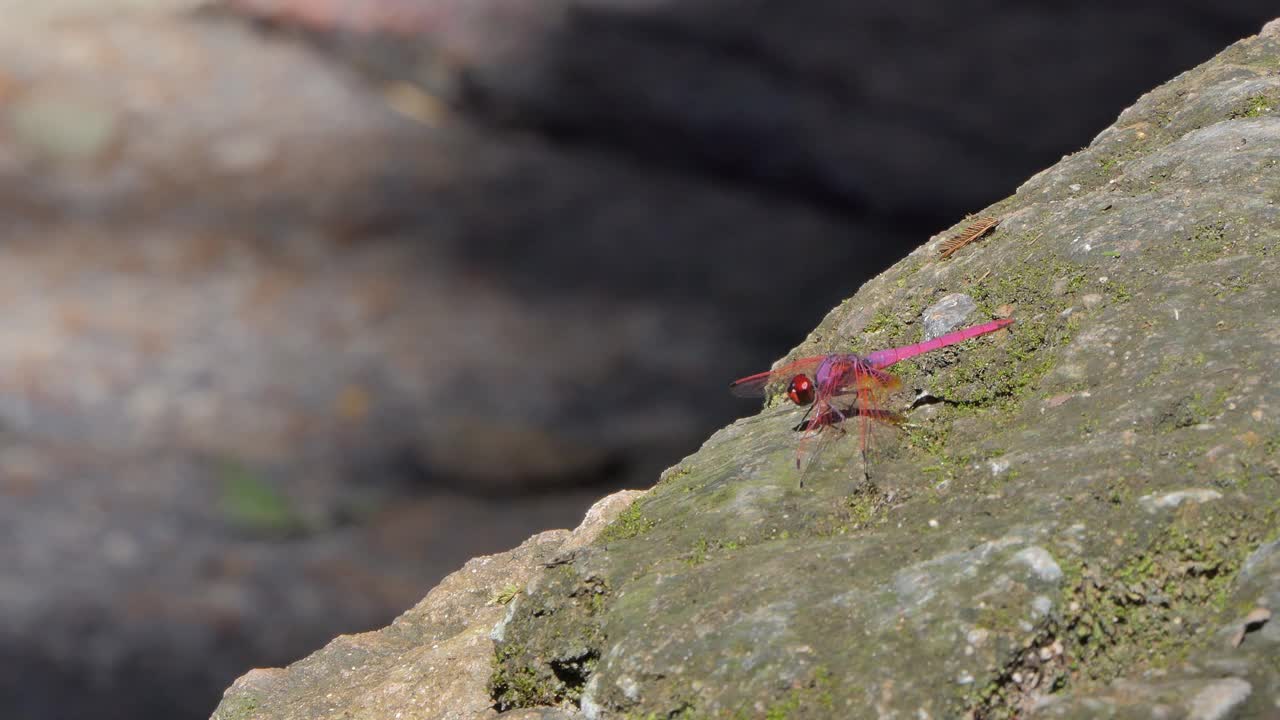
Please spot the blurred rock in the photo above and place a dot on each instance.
(66, 128)
(912, 112)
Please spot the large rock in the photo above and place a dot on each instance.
(1081, 524)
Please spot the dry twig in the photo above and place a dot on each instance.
(976, 229)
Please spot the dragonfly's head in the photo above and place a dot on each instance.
(801, 390)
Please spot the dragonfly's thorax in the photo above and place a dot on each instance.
(840, 371)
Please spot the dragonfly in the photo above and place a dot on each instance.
(839, 386)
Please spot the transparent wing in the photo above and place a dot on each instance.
(764, 383)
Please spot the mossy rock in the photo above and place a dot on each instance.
(1077, 510)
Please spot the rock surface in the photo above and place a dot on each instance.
(432, 662)
(1079, 528)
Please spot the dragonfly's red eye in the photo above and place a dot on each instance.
(801, 390)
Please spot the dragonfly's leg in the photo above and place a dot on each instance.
(839, 413)
(800, 426)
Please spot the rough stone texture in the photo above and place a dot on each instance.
(1077, 530)
(432, 662)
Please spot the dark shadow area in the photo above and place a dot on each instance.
(304, 308)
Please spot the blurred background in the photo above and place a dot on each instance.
(305, 302)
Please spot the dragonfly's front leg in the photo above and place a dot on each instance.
(804, 421)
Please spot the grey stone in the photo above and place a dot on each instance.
(1178, 497)
(947, 314)
(1218, 699)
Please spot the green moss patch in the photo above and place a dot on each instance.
(553, 668)
(629, 524)
(1038, 292)
(251, 501)
(1254, 106)
(864, 507)
(237, 705)
(1146, 613)
(1149, 611)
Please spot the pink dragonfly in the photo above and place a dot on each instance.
(822, 382)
